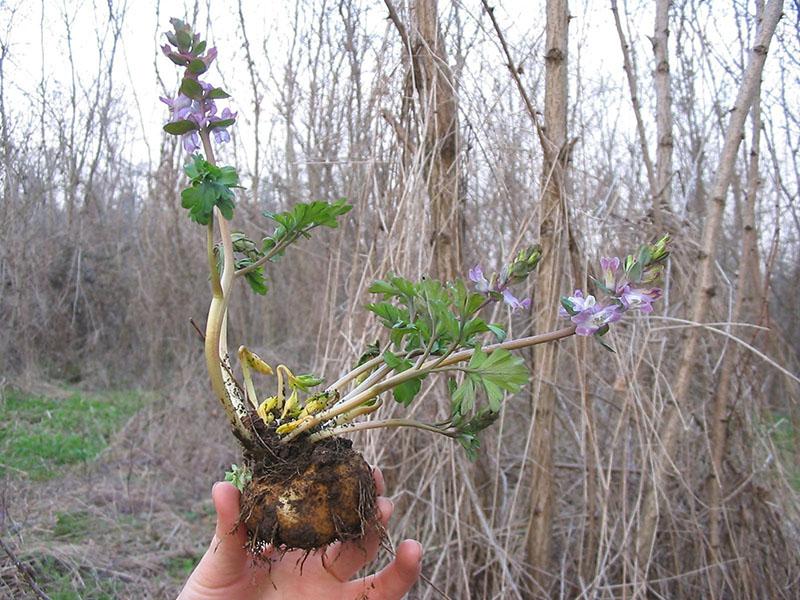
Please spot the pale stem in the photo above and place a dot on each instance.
(321, 435)
(359, 398)
(216, 345)
(355, 373)
(358, 412)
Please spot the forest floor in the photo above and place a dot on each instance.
(101, 497)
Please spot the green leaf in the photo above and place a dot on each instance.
(307, 380)
(226, 207)
(191, 88)
(497, 372)
(463, 398)
(193, 169)
(211, 187)
(473, 327)
(221, 123)
(197, 66)
(255, 279)
(382, 287)
(395, 362)
(217, 94)
(239, 476)
(228, 177)
(177, 59)
(180, 127)
(499, 333)
(471, 445)
(184, 39)
(406, 391)
(199, 47)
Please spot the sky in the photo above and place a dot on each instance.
(34, 33)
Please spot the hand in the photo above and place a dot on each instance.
(228, 572)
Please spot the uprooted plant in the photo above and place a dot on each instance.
(303, 486)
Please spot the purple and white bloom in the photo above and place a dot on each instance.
(514, 302)
(476, 276)
(593, 318)
(639, 298)
(578, 302)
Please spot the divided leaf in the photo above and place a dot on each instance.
(301, 219)
(496, 373)
(210, 186)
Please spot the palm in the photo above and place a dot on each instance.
(227, 571)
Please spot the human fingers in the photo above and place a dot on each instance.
(226, 559)
(380, 484)
(395, 580)
(344, 560)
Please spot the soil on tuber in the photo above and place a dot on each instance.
(305, 495)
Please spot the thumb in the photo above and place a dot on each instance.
(226, 558)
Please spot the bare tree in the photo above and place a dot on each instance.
(552, 215)
(705, 286)
(438, 104)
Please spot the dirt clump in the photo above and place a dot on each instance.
(304, 495)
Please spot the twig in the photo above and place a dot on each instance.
(514, 71)
(398, 23)
(26, 571)
(198, 330)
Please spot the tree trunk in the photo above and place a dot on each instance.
(439, 108)
(552, 237)
(743, 310)
(704, 289)
(663, 175)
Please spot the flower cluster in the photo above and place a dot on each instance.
(626, 286)
(194, 108)
(496, 287)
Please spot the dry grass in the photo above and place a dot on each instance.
(100, 275)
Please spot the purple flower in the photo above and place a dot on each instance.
(578, 303)
(593, 318)
(221, 134)
(476, 276)
(633, 298)
(191, 142)
(496, 288)
(210, 56)
(513, 302)
(609, 267)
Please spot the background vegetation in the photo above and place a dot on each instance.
(669, 469)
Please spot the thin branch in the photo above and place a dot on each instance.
(515, 71)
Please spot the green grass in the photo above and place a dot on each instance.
(179, 567)
(72, 526)
(62, 583)
(40, 436)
